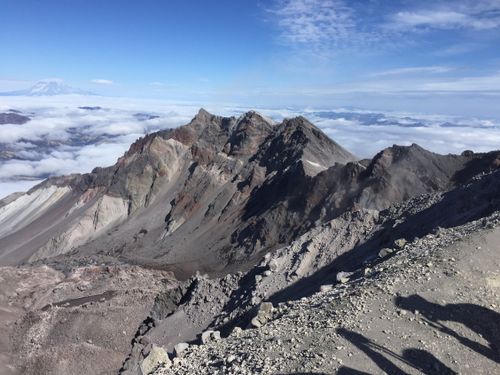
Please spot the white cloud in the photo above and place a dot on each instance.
(360, 140)
(323, 27)
(465, 84)
(99, 81)
(314, 23)
(415, 85)
(478, 14)
(415, 70)
(156, 84)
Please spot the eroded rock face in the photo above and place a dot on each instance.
(215, 194)
(396, 314)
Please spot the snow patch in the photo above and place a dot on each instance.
(316, 164)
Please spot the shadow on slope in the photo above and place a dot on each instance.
(384, 358)
(481, 320)
(457, 207)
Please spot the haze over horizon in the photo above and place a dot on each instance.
(429, 57)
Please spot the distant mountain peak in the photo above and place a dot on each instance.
(54, 86)
(48, 87)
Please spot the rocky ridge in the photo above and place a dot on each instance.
(240, 186)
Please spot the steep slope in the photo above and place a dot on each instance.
(433, 308)
(339, 249)
(215, 195)
(179, 184)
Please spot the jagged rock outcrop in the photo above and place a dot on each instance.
(215, 194)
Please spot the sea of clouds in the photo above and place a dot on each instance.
(62, 138)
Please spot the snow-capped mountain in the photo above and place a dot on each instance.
(48, 87)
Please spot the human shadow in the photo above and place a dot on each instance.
(418, 359)
(481, 320)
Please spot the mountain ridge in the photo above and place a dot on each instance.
(256, 184)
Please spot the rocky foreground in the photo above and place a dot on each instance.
(430, 308)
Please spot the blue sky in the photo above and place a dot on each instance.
(420, 55)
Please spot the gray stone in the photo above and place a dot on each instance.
(157, 357)
(236, 331)
(326, 288)
(179, 348)
(273, 265)
(384, 252)
(343, 277)
(400, 243)
(264, 314)
(209, 336)
(206, 337)
(215, 336)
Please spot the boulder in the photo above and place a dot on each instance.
(400, 243)
(179, 348)
(264, 314)
(157, 357)
(209, 336)
(343, 277)
(273, 265)
(384, 252)
(236, 331)
(326, 288)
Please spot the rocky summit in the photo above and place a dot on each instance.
(237, 245)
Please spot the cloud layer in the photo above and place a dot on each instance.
(75, 134)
